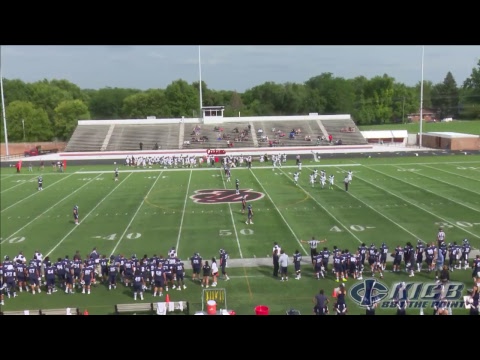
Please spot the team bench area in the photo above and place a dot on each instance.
(62, 311)
(160, 308)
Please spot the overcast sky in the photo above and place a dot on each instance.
(231, 67)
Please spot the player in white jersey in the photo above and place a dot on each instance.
(331, 180)
(284, 158)
(349, 176)
(315, 174)
(440, 237)
(278, 161)
(323, 180)
(299, 166)
(312, 179)
(295, 178)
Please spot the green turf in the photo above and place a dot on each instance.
(465, 127)
(391, 199)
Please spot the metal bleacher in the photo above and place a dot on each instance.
(129, 137)
(87, 138)
(339, 130)
(307, 127)
(218, 135)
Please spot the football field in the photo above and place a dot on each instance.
(149, 211)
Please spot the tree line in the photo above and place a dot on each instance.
(49, 109)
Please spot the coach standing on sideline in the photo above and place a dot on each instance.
(313, 246)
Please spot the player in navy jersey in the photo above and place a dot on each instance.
(371, 257)
(75, 215)
(88, 273)
(21, 271)
(419, 250)
(138, 284)
(244, 203)
(397, 258)
(33, 277)
(50, 277)
(429, 256)
(378, 266)
(40, 183)
(223, 264)
(363, 252)
(317, 266)
(345, 259)
(10, 279)
(337, 267)
(144, 267)
(158, 280)
(249, 215)
(383, 257)
(112, 273)
(128, 272)
(297, 260)
(360, 266)
(452, 256)
(103, 263)
(77, 267)
(325, 258)
(180, 274)
(69, 280)
(197, 262)
(59, 266)
(2, 287)
(206, 272)
(352, 266)
(237, 187)
(167, 270)
(466, 248)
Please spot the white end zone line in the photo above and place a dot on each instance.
(37, 192)
(51, 207)
(86, 216)
(134, 215)
(279, 213)
(325, 209)
(183, 212)
(233, 219)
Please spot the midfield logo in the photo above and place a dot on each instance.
(420, 295)
(224, 196)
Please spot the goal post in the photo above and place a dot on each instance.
(218, 295)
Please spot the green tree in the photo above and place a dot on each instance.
(469, 107)
(47, 97)
(23, 114)
(149, 103)
(182, 99)
(107, 103)
(446, 97)
(67, 114)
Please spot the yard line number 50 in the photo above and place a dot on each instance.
(229, 232)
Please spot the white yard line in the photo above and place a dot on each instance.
(431, 192)
(411, 203)
(233, 219)
(5, 176)
(85, 217)
(380, 213)
(50, 208)
(279, 213)
(35, 193)
(452, 173)
(183, 212)
(136, 212)
(325, 209)
(22, 183)
(445, 182)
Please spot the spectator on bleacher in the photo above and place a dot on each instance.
(330, 138)
(260, 131)
(141, 146)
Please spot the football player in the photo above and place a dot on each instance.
(75, 214)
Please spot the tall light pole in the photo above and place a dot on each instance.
(200, 79)
(3, 106)
(23, 126)
(421, 100)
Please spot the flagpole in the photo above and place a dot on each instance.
(3, 106)
(200, 79)
(421, 100)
